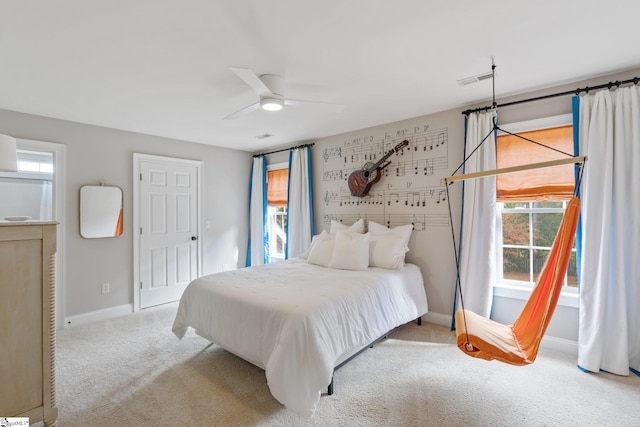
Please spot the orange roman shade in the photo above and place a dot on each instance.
(553, 183)
(277, 187)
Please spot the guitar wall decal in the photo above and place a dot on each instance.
(361, 180)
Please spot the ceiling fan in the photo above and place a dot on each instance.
(270, 88)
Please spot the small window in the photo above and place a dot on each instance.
(35, 162)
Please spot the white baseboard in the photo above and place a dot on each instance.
(438, 319)
(560, 344)
(548, 342)
(98, 315)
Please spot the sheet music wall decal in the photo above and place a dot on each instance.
(408, 190)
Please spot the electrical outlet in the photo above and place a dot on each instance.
(105, 288)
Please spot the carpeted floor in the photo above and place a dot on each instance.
(132, 371)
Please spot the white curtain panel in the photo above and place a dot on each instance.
(300, 223)
(477, 239)
(257, 252)
(609, 132)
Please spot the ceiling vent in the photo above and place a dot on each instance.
(263, 136)
(475, 79)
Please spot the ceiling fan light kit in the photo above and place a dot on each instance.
(271, 103)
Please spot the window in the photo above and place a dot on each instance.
(35, 162)
(531, 203)
(277, 232)
(528, 230)
(277, 189)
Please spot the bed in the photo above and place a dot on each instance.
(298, 321)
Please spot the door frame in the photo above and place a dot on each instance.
(59, 202)
(137, 159)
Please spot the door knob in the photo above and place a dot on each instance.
(194, 238)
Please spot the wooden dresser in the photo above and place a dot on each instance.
(27, 321)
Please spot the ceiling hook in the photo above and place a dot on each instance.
(494, 104)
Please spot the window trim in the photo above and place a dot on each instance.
(281, 165)
(506, 290)
(509, 289)
(537, 124)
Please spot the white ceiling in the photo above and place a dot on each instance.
(160, 66)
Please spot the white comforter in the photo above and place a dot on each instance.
(298, 321)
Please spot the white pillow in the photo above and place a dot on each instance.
(387, 251)
(321, 250)
(356, 227)
(402, 231)
(350, 251)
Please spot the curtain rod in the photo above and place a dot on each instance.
(609, 85)
(285, 149)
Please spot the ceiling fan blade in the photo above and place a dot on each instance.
(246, 110)
(324, 106)
(250, 78)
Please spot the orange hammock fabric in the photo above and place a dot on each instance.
(518, 344)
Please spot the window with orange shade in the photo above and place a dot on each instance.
(531, 203)
(277, 193)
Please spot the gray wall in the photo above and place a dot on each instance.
(95, 153)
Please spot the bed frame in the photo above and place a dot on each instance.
(330, 388)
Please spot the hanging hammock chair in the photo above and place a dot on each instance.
(518, 344)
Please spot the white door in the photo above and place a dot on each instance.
(168, 240)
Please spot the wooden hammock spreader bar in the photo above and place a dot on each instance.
(568, 160)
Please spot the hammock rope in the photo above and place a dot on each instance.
(455, 252)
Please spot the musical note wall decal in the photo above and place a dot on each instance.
(409, 190)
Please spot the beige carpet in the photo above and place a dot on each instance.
(132, 371)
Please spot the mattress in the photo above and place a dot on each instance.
(298, 321)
